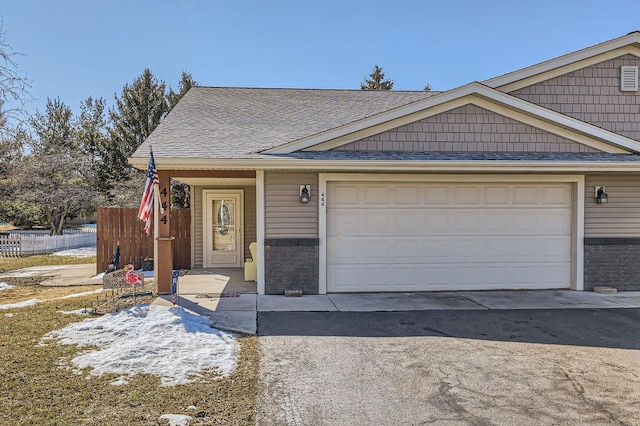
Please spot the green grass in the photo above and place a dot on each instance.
(11, 263)
(39, 386)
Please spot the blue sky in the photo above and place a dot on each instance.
(74, 49)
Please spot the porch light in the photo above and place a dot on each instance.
(305, 193)
(601, 196)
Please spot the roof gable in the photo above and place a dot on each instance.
(625, 45)
(477, 94)
(468, 128)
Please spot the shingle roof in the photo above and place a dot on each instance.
(223, 122)
(457, 156)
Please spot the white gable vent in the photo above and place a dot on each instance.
(629, 78)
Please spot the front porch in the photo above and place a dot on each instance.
(221, 294)
(219, 282)
(223, 227)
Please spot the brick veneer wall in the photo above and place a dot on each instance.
(612, 262)
(291, 264)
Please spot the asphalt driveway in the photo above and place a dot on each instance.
(524, 367)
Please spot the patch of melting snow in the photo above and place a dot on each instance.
(20, 274)
(169, 342)
(20, 304)
(78, 252)
(86, 293)
(46, 268)
(81, 311)
(177, 419)
(4, 286)
(120, 381)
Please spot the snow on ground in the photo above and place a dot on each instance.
(86, 293)
(169, 342)
(81, 311)
(19, 274)
(46, 268)
(20, 304)
(79, 252)
(177, 419)
(4, 286)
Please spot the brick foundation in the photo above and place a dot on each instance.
(291, 264)
(612, 262)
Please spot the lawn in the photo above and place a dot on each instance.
(11, 263)
(40, 385)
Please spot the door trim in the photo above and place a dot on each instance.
(577, 269)
(208, 194)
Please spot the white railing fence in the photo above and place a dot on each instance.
(25, 243)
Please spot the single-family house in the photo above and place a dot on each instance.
(529, 180)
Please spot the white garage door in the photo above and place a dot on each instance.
(447, 236)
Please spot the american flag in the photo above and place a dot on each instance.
(146, 205)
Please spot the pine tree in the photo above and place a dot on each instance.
(138, 111)
(180, 194)
(186, 83)
(56, 175)
(376, 81)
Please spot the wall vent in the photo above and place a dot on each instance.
(629, 78)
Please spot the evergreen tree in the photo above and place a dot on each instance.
(92, 125)
(376, 81)
(186, 83)
(54, 129)
(138, 111)
(56, 175)
(180, 193)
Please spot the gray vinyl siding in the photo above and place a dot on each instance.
(285, 215)
(249, 220)
(592, 94)
(467, 129)
(620, 217)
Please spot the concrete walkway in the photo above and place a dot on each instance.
(232, 303)
(239, 311)
(59, 276)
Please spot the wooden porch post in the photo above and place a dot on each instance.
(164, 261)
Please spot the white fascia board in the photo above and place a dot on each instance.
(632, 39)
(423, 166)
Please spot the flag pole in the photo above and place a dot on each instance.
(156, 225)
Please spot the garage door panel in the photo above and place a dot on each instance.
(466, 195)
(556, 196)
(436, 195)
(422, 236)
(345, 194)
(377, 194)
(496, 195)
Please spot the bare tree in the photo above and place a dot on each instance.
(14, 90)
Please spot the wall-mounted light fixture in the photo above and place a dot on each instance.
(305, 193)
(601, 195)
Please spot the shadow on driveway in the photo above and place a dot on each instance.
(605, 328)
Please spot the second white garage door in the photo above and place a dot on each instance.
(435, 236)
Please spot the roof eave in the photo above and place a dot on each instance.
(497, 166)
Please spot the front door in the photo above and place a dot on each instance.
(223, 236)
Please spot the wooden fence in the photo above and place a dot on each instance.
(25, 243)
(120, 224)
